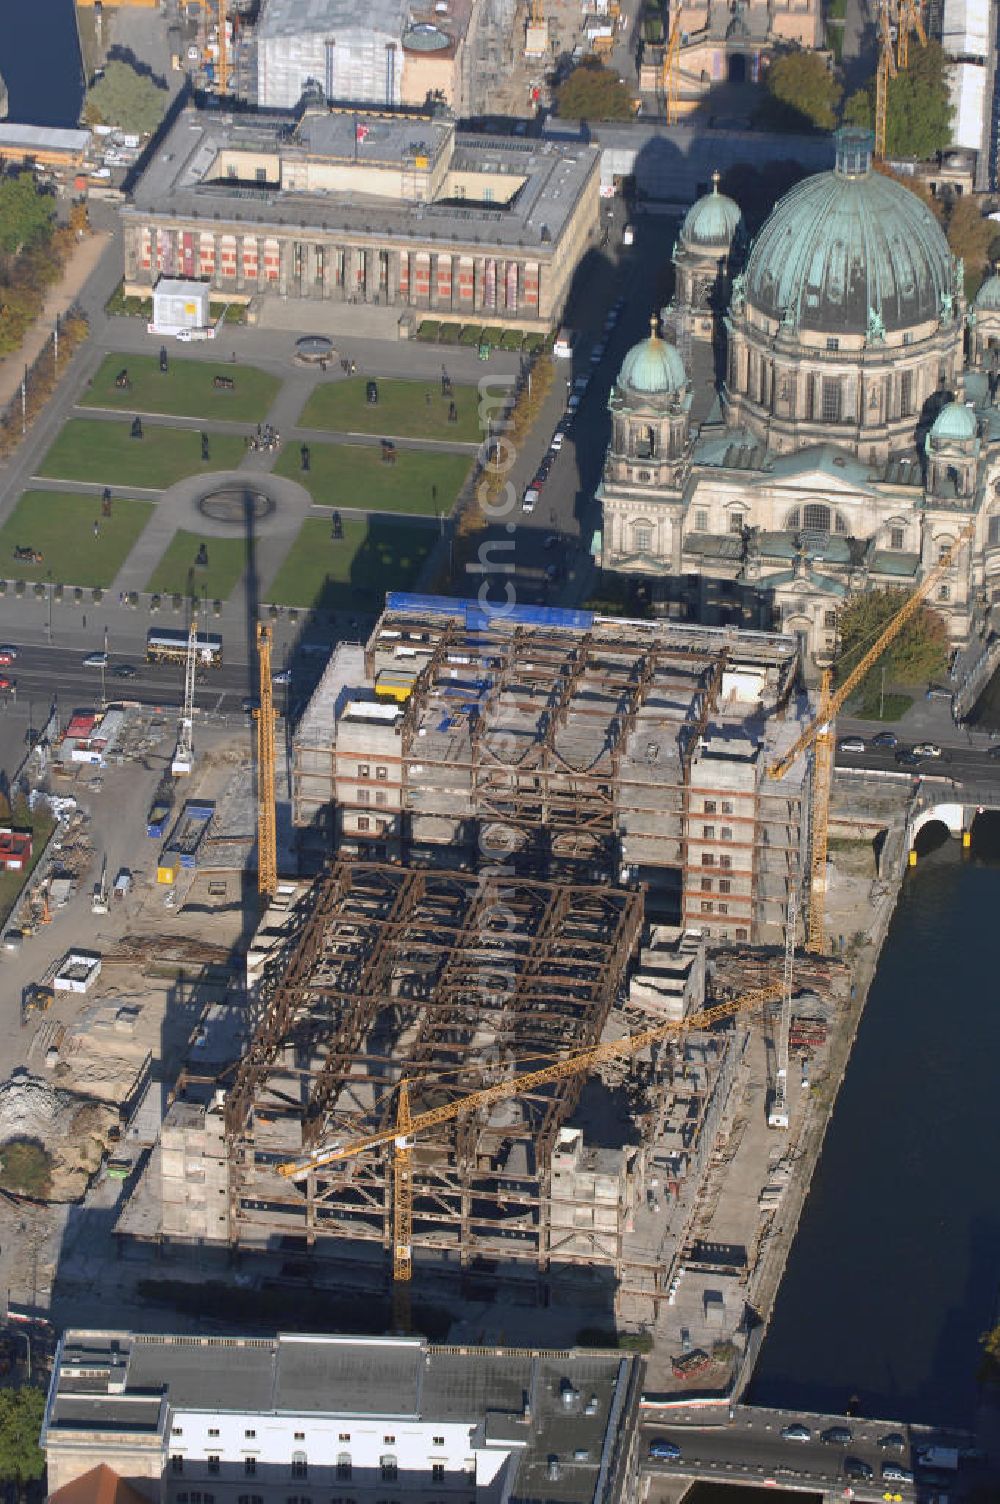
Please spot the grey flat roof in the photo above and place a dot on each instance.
(389, 138)
(175, 184)
(42, 138)
(290, 18)
(542, 1403)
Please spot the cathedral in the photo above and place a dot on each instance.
(850, 431)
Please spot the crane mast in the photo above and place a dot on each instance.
(184, 751)
(267, 842)
(669, 80)
(778, 1115)
(885, 70)
(820, 732)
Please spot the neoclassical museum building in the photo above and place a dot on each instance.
(851, 433)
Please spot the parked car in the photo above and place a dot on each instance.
(283, 676)
(851, 744)
(124, 671)
(551, 540)
(885, 739)
(573, 403)
(893, 1473)
(558, 439)
(855, 1468)
(95, 660)
(993, 752)
(796, 1432)
(6, 682)
(581, 384)
(528, 500)
(838, 1435)
(664, 1451)
(927, 749)
(7, 654)
(938, 692)
(892, 1441)
(906, 758)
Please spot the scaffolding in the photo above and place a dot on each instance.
(454, 982)
(563, 747)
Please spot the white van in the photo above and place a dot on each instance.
(563, 347)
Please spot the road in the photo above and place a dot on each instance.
(749, 1448)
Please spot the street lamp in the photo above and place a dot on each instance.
(48, 576)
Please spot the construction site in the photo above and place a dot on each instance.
(565, 746)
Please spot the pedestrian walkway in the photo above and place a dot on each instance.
(60, 299)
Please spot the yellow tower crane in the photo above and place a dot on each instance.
(267, 842)
(223, 82)
(669, 80)
(910, 19)
(820, 732)
(409, 1124)
(886, 69)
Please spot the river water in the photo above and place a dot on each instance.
(895, 1268)
(40, 61)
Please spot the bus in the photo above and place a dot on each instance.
(563, 347)
(170, 646)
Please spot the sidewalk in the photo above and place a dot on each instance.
(60, 299)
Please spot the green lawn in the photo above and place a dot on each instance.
(12, 883)
(176, 573)
(105, 453)
(353, 475)
(374, 555)
(60, 526)
(185, 391)
(403, 410)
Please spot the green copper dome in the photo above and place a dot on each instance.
(848, 244)
(955, 423)
(653, 367)
(711, 220)
(988, 295)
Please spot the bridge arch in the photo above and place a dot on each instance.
(950, 817)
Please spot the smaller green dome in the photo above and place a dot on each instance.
(955, 423)
(988, 295)
(711, 220)
(653, 367)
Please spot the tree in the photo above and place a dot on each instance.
(801, 94)
(989, 1368)
(919, 652)
(970, 236)
(593, 92)
(918, 106)
(21, 1413)
(125, 98)
(26, 213)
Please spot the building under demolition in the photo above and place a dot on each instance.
(559, 743)
(456, 982)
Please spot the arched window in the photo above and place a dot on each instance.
(816, 517)
(793, 521)
(736, 521)
(645, 442)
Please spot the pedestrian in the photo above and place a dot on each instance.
(97, 529)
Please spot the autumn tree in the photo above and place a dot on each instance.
(801, 94)
(970, 236)
(593, 92)
(917, 655)
(26, 213)
(21, 1412)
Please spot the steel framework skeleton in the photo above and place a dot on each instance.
(445, 981)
